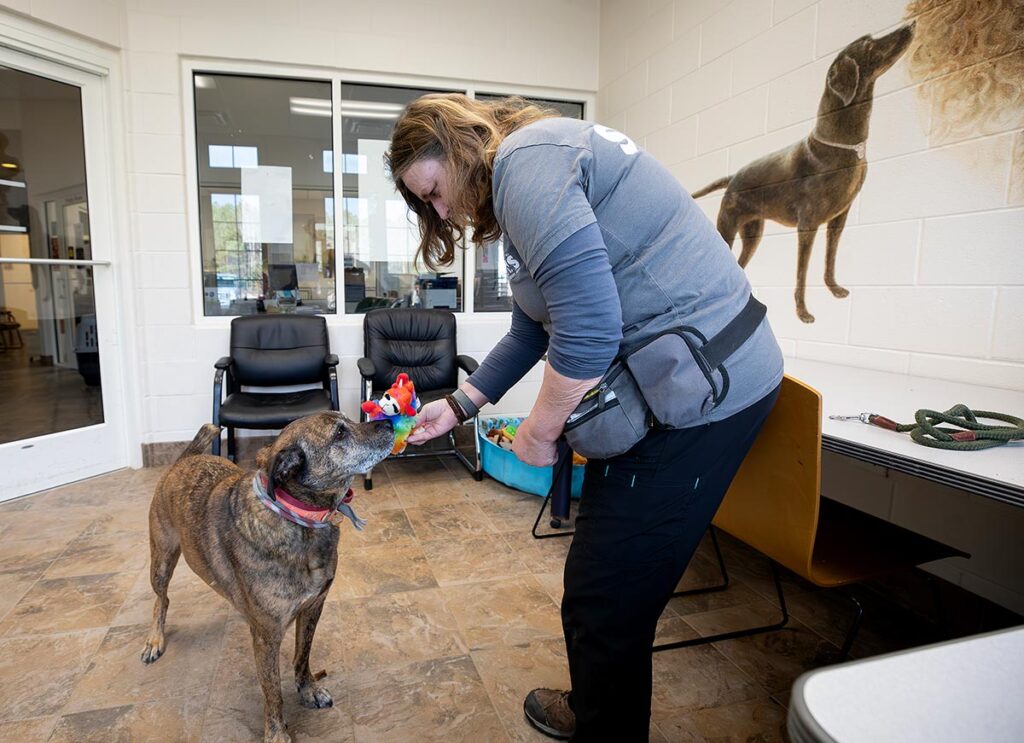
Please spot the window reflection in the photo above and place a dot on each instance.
(491, 292)
(266, 199)
(380, 235)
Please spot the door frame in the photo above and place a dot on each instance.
(30, 47)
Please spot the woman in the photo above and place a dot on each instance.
(604, 250)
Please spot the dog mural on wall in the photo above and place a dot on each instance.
(814, 181)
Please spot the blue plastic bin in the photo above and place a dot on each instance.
(505, 467)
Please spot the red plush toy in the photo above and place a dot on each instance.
(400, 405)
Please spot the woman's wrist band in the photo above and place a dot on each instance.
(462, 406)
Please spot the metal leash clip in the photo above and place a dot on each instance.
(863, 417)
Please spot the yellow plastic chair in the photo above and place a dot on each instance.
(774, 505)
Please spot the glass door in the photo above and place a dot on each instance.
(60, 393)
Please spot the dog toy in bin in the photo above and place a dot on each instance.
(399, 405)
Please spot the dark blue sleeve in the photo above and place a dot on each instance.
(513, 356)
(583, 305)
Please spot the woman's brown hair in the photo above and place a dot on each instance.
(464, 134)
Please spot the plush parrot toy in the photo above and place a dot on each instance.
(400, 405)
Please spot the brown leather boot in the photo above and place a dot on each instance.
(548, 710)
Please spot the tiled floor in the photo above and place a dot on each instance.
(443, 615)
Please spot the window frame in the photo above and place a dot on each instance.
(335, 76)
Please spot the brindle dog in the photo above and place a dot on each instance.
(273, 571)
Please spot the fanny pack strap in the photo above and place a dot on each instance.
(735, 334)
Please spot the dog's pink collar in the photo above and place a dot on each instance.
(290, 508)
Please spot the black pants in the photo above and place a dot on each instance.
(641, 517)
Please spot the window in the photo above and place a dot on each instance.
(380, 235)
(491, 292)
(266, 195)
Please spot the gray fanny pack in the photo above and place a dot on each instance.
(673, 380)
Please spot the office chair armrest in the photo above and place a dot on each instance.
(223, 364)
(468, 363)
(331, 359)
(367, 370)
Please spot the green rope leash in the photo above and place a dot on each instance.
(971, 435)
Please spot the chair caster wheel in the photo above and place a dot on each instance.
(368, 484)
(478, 476)
(556, 523)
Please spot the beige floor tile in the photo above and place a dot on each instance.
(54, 527)
(515, 512)
(468, 559)
(673, 629)
(13, 586)
(396, 628)
(694, 678)
(385, 568)
(28, 558)
(509, 673)
(235, 711)
(435, 700)
(68, 604)
(382, 527)
(190, 598)
(553, 584)
(36, 730)
(117, 676)
(418, 493)
(761, 720)
(449, 520)
(94, 554)
(415, 469)
(383, 497)
(38, 674)
(539, 555)
(164, 721)
(510, 611)
(776, 659)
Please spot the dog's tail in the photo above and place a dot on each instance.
(202, 441)
(720, 183)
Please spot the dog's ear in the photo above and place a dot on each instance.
(263, 457)
(843, 78)
(285, 465)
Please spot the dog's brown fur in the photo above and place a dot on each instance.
(272, 571)
(812, 183)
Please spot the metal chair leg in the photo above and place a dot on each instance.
(565, 459)
(368, 480)
(738, 633)
(215, 446)
(232, 455)
(721, 566)
(851, 634)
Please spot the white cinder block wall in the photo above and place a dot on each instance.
(933, 252)
(541, 45)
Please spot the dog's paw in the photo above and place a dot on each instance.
(280, 736)
(153, 650)
(805, 316)
(839, 292)
(315, 696)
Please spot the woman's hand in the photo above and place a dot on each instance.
(435, 419)
(531, 449)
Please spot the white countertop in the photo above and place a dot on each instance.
(847, 390)
(964, 690)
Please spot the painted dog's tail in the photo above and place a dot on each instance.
(720, 183)
(202, 441)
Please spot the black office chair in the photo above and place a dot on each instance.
(273, 351)
(420, 343)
